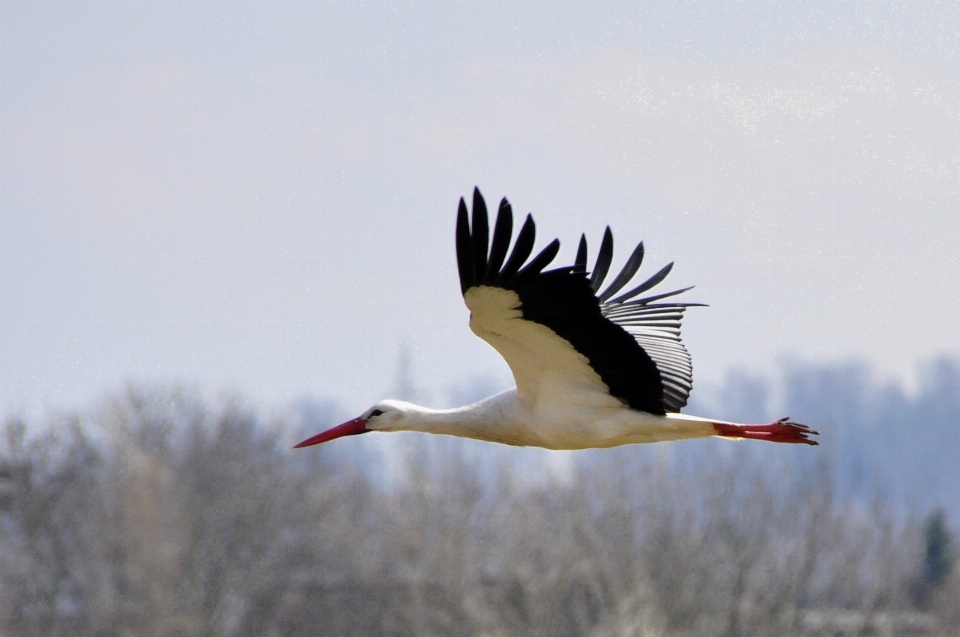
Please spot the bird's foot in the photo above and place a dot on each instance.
(783, 430)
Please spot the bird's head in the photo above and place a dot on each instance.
(386, 415)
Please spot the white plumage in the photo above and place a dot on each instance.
(590, 370)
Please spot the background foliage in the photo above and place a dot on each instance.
(164, 513)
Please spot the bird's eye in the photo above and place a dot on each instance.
(375, 412)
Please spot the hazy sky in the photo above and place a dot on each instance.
(262, 196)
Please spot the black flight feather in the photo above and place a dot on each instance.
(631, 267)
(479, 234)
(502, 232)
(580, 263)
(646, 285)
(464, 248)
(521, 249)
(657, 297)
(542, 260)
(604, 257)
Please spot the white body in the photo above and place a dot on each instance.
(505, 419)
(559, 403)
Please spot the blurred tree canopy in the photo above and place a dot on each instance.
(164, 513)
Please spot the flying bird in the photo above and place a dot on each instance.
(594, 366)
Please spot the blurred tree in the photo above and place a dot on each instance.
(165, 513)
(48, 526)
(938, 555)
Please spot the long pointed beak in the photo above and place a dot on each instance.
(349, 428)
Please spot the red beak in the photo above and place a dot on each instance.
(349, 428)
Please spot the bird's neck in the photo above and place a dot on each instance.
(485, 420)
(452, 422)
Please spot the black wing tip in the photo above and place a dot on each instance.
(626, 274)
(464, 247)
(480, 234)
(481, 257)
(629, 270)
(479, 203)
(656, 297)
(480, 260)
(542, 260)
(522, 248)
(500, 244)
(604, 257)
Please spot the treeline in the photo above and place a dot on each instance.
(162, 513)
(906, 443)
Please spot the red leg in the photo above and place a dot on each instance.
(782, 430)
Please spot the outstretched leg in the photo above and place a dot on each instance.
(782, 430)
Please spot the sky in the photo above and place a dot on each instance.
(260, 197)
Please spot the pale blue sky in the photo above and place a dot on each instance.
(261, 196)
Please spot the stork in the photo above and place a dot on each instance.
(592, 368)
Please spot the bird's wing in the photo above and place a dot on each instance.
(655, 326)
(555, 332)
